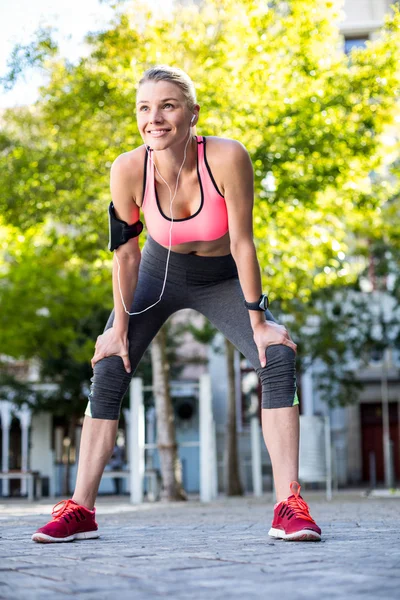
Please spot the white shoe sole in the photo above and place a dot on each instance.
(304, 535)
(47, 539)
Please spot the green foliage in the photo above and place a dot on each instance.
(272, 75)
(46, 287)
(204, 334)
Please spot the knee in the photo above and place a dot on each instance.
(278, 377)
(109, 384)
(280, 358)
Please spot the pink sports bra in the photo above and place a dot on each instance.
(209, 222)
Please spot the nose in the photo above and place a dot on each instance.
(155, 116)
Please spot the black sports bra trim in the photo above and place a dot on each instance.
(209, 170)
(144, 174)
(201, 198)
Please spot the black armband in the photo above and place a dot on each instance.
(120, 231)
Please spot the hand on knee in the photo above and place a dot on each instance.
(268, 334)
(278, 377)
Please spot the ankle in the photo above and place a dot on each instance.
(82, 501)
(282, 495)
(285, 489)
(280, 499)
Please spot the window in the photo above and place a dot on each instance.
(354, 42)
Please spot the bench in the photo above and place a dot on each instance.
(33, 479)
(152, 481)
(120, 474)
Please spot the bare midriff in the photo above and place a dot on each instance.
(219, 247)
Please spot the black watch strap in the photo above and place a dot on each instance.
(261, 304)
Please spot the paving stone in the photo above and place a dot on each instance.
(198, 552)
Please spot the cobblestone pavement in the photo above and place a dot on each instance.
(212, 552)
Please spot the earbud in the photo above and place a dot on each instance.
(193, 118)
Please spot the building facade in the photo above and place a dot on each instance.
(40, 443)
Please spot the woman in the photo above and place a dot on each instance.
(196, 195)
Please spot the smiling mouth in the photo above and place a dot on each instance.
(158, 131)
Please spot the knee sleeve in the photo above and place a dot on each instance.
(110, 382)
(278, 378)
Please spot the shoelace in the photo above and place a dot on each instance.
(296, 505)
(68, 508)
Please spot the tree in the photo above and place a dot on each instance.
(166, 436)
(233, 485)
(272, 75)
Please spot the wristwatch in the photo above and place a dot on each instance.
(261, 304)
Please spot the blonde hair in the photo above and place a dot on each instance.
(176, 76)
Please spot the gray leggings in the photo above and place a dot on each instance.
(209, 285)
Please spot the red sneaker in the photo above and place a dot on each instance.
(292, 520)
(70, 522)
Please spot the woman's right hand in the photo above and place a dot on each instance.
(110, 343)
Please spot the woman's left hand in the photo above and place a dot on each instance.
(269, 333)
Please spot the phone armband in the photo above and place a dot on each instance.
(120, 231)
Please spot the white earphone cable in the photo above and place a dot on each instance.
(172, 198)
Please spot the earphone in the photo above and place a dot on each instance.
(172, 198)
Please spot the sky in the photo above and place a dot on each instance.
(19, 19)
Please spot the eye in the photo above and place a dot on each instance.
(168, 104)
(143, 108)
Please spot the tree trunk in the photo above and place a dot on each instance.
(66, 491)
(171, 471)
(233, 485)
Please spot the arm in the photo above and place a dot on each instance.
(128, 254)
(239, 194)
(115, 340)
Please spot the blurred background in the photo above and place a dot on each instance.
(311, 88)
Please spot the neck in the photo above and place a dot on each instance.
(169, 161)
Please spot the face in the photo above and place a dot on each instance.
(163, 116)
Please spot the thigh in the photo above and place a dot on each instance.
(223, 305)
(151, 314)
(110, 380)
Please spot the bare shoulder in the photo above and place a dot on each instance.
(128, 168)
(220, 147)
(132, 158)
(229, 161)
(224, 153)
